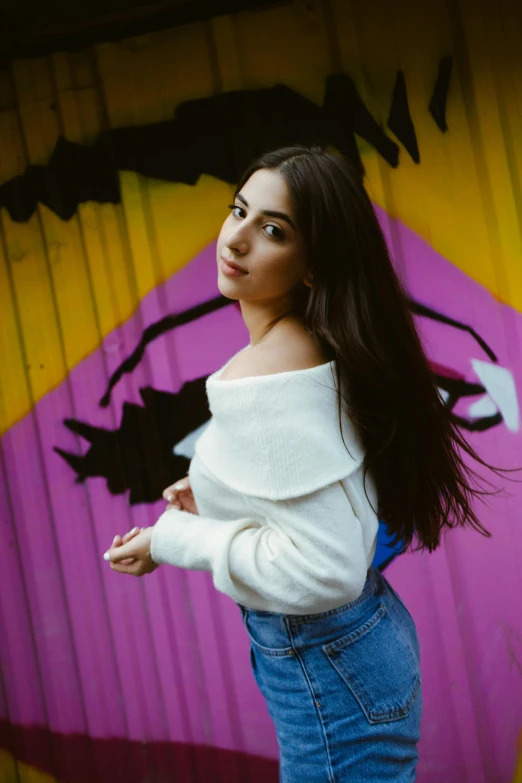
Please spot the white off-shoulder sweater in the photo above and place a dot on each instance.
(284, 524)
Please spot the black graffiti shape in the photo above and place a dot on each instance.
(343, 104)
(479, 425)
(138, 456)
(439, 98)
(399, 119)
(218, 135)
(458, 388)
(154, 331)
(427, 312)
(74, 174)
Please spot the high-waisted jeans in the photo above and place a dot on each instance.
(342, 687)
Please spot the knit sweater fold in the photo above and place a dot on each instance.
(277, 436)
(284, 524)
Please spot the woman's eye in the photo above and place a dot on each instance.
(234, 208)
(274, 232)
(277, 233)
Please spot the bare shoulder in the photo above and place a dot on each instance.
(293, 353)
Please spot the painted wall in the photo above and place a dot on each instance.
(116, 168)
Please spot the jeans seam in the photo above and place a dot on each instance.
(314, 699)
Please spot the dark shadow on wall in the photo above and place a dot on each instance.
(79, 758)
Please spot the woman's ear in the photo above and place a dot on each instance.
(308, 279)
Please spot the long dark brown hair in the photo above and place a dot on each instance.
(358, 312)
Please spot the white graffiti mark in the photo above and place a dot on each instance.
(501, 394)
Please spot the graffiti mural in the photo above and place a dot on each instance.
(112, 321)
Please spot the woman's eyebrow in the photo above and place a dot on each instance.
(268, 212)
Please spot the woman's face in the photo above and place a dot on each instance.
(261, 236)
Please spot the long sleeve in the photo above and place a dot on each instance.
(284, 524)
(294, 556)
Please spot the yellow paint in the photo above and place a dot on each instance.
(64, 291)
(518, 771)
(460, 198)
(14, 771)
(65, 285)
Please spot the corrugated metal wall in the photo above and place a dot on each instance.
(104, 234)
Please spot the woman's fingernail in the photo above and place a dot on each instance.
(135, 530)
(107, 556)
(170, 497)
(179, 486)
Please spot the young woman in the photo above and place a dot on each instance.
(327, 419)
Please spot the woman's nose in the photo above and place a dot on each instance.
(238, 244)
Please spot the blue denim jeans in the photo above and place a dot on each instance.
(343, 688)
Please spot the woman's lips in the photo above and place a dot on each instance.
(227, 269)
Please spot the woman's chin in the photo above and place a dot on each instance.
(226, 288)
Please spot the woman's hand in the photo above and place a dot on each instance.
(179, 495)
(131, 554)
(132, 557)
(118, 541)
